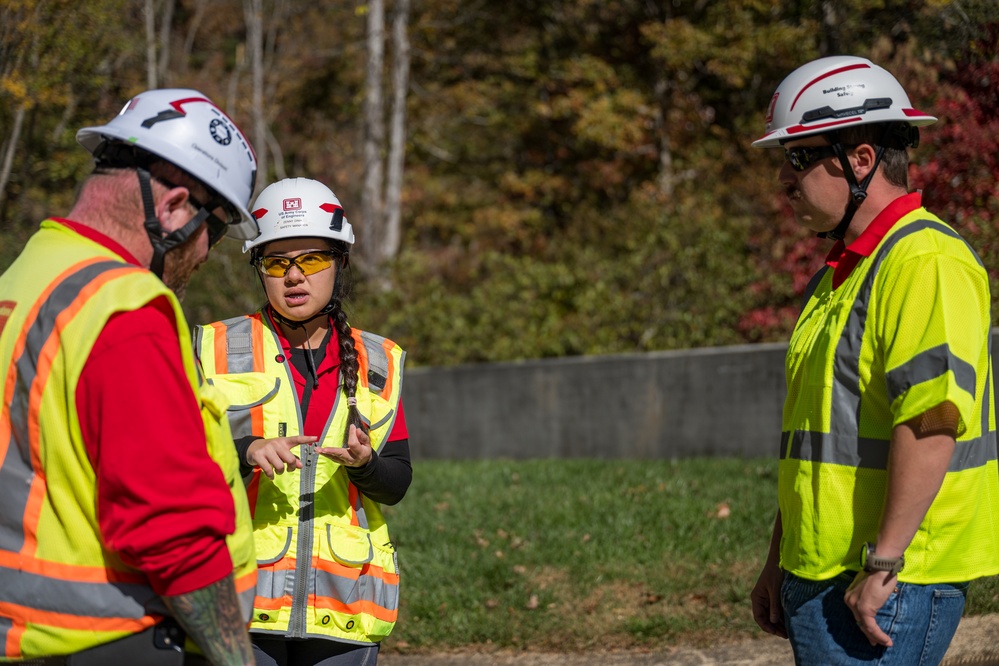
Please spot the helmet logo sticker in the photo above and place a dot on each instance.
(336, 224)
(292, 204)
(220, 132)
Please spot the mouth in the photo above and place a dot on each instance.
(294, 297)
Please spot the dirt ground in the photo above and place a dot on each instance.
(975, 644)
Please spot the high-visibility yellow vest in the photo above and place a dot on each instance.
(61, 591)
(908, 329)
(328, 567)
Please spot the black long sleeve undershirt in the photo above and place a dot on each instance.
(385, 478)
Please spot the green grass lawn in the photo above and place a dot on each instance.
(578, 554)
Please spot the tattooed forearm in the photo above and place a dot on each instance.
(212, 619)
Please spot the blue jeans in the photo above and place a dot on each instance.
(920, 619)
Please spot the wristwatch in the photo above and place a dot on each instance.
(871, 562)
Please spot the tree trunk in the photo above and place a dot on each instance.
(8, 156)
(374, 139)
(163, 67)
(255, 44)
(150, 15)
(397, 137)
(192, 32)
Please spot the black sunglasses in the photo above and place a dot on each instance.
(802, 157)
(217, 227)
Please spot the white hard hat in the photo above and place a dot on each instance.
(832, 93)
(188, 130)
(299, 208)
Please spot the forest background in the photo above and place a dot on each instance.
(561, 178)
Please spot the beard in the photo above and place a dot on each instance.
(180, 263)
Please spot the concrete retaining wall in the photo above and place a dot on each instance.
(721, 401)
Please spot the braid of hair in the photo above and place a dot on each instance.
(348, 354)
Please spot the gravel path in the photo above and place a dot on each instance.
(975, 644)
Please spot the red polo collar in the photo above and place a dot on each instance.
(843, 259)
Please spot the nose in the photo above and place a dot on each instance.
(787, 175)
(294, 274)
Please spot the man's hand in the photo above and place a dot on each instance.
(275, 456)
(866, 595)
(767, 609)
(357, 453)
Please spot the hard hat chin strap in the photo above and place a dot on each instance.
(858, 191)
(163, 244)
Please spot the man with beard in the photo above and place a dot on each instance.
(123, 522)
(887, 482)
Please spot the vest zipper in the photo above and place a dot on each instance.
(298, 624)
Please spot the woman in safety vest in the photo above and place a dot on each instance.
(319, 429)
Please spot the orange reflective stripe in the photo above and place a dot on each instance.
(221, 355)
(362, 357)
(246, 582)
(354, 573)
(25, 615)
(277, 603)
(257, 411)
(68, 572)
(284, 564)
(356, 608)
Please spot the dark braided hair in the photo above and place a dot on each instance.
(348, 354)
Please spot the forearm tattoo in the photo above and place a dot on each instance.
(212, 618)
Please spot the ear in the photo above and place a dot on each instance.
(172, 209)
(862, 157)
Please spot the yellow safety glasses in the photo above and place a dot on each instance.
(309, 263)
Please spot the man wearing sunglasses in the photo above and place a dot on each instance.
(887, 482)
(318, 424)
(124, 530)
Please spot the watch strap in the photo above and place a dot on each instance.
(872, 562)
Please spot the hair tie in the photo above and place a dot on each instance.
(352, 401)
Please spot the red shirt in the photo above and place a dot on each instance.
(162, 504)
(843, 259)
(323, 397)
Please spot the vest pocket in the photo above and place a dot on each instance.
(349, 545)
(272, 543)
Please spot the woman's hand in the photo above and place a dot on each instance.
(274, 456)
(357, 453)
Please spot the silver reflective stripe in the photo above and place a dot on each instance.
(16, 474)
(862, 452)
(928, 365)
(239, 344)
(365, 588)
(105, 600)
(273, 583)
(377, 358)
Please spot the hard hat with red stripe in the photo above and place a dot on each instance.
(833, 93)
